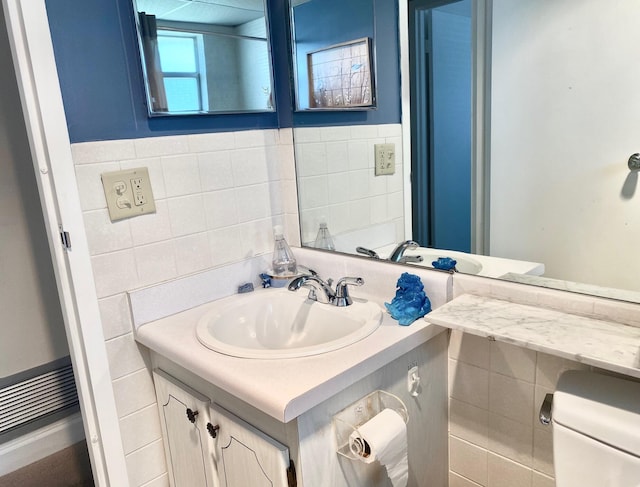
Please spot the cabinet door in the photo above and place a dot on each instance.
(184, 415)
(246, 456)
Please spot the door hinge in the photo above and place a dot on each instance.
(292, 481)
(65, 238)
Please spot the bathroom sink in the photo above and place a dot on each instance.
(465, 264)
(278, 323)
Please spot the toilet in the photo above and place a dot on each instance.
(596, 431)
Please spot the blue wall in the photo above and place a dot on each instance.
(102, 87)
(351, 20)
(451, 130)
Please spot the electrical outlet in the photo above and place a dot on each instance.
(128, 193)
(385, 159)
(136, 184)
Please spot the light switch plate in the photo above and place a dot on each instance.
(385, 159)
(128, 193)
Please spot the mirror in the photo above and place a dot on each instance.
(333, 62)
(561, 123)
(205, 56)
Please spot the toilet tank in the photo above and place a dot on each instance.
(596, 431)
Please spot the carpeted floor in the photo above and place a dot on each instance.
(67, 468)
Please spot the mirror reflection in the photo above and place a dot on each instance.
(332, 59)
(205, 56)
(552, 201)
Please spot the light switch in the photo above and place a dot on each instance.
(128, 193)
(385, 159)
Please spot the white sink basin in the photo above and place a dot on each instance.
(464, 263)
(278, 323)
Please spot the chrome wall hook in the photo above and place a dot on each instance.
(634, 162)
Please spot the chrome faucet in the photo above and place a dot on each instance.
(339, 297)
(398, 253)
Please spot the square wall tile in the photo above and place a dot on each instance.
(105, 236)
(125, 356)
(114, 272)
(313, 192)
(211, 142)
(550, 368)
(156, 262)
(161, 146)
(186, 215)
(358, 154)
(511, 398)
(181, 175)
(470, 349)
(505, 473)
(543, 450)
(456, 480)
(469, 423)
(337, 154)
(146, 464)
(257, 237)
(102, 151)
(253, 202)
(134, 392)
(115, 316)
(249, 166)
(215, 170)
(311, 159)
(511, 439)
(140, 428)
(152, 227)
(226, 245)
(220, 208)
(541, 480)
(513, 361)
(193, 253)
(90, 187)
(469, 384)
(468, 460)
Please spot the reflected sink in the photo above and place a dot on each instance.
(278, 323)
(465, 264)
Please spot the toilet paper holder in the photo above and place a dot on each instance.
(356, 414)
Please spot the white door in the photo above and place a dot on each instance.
(246, 456)
(184, 416)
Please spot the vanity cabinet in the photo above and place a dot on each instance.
(208, 446)
(249, 448)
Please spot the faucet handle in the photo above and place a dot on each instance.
(369, 253)
(342, 297)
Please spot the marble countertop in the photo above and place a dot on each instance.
(282, 388)
(604, 344)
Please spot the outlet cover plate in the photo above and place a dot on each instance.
(128, 193)
(385, 159)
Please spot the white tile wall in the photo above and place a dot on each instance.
(217, 198)
(338, 183)
(496, 391)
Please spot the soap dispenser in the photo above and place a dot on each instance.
(284, 262)
(323, 239)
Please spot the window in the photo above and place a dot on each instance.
(183, 70)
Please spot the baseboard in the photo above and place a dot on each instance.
(41, 443)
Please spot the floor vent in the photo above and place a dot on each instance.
(32, 401)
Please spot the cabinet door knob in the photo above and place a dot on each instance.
(191, 415)
(213, 430)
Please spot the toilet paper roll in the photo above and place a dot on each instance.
(383, 438)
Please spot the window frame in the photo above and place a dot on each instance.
(200, 75)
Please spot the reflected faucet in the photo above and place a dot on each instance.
(340, 297)
(398, 253)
